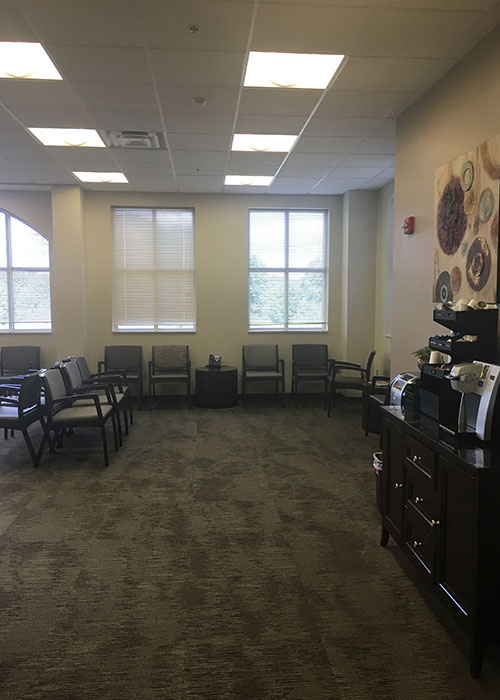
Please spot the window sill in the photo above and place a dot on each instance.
(287, 330)
(150, 332)
(25, 332)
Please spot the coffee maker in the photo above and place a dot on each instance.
(477, 384)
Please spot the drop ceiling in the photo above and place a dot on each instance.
(135, 65)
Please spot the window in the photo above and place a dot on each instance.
(153, 285)
(24, 277)
(288, 270)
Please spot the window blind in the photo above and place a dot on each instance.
(153, 281)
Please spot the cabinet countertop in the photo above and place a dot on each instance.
(472, 452)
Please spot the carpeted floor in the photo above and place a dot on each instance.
(222, 555)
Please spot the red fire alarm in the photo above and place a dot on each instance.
(409, 224)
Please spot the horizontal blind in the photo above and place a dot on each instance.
(154, 285)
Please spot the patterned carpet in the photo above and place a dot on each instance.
(223, 554)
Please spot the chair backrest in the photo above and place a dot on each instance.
(260, 356)
(29, 396)
(170, 356)
(312, 356)
(83, 367)
(19, 359)
(368, 364)
(71, 376)
(54, 386)
(127, 357)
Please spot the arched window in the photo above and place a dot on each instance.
(24, 277)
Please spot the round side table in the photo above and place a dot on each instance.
(217, 388)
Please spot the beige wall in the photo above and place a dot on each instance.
(79, 225)
(385, 216)
(459, 112)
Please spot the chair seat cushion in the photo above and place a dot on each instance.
(10, 414)
(346, 382)
(169, 376)
(79, 414)
(311, 374)
(263, 374)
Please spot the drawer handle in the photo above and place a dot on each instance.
(398, 486)
(417, 458)
(416, 544)
(418, 499)
(435, 522)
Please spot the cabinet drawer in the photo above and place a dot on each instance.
(421, 456)
(421, 492)
(420, 540)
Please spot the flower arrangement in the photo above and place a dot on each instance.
(423, 355)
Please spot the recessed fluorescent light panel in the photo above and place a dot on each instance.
(104, 178)
(291, 70)
(26, 61)
(78, 138)
(249, 180)
(263, 143)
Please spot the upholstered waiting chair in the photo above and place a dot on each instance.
(125, 360)
(170, 364)
(349, 375)
(19, 359)
(74, 385)
(118, 382)
(310, 363)
(75, 411)
(21, 408)
(261, 363)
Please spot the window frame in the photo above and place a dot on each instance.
(287, 270)
(145, 328)
(9, 268)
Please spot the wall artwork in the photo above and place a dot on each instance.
(466, 194)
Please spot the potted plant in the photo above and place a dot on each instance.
(423, 355)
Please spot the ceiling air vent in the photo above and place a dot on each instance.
(133, 139)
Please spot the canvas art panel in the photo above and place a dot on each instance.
(466, 226)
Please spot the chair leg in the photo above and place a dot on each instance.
(104, 446)
(30, 447)
(118, 425)
(325, 392)
(125, 417)
(283, 392)
(115, 431)
(150, 396)
(189, 392)
(129, 399)
(244, 391)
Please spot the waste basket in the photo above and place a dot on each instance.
(379, 468)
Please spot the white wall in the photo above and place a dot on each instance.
(383, 315)
(459, 112)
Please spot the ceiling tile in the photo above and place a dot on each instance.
(16, 136)
(478, 5)
(52, 117)
(37, 93)
(13, 26)
(345, 103)
(223, 26)
(417, 33)
(385, 128)
(152, 181)
(377, 146)
(153, 169)
(107, 64)
(200, 158)
(179, 98)
(197, 67)
(368, 161)
(340, 126)
(199, 123)
(247, 170)
(304, 182)
(140, 155)
(26, 152)
(385, 74)
(97, 23)
(308, 28)
(77, 158)
(304, 171)
(255, 160)
(271, 102)
(124, 120)
(326, 159)
(199, 142)
(120, 96)
(262, 124)
(315, 144)
(200, 183)
(338, 185)
(356, 173)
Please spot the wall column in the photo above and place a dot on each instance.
(69, 294)
(359, 251)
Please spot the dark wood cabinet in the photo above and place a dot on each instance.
(441, 504)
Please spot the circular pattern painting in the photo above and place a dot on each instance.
(451, 217)
(467, 176)
(443, 288)
(486, 205)
(478, 264)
